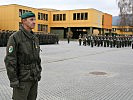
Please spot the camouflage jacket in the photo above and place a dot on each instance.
(22, 59)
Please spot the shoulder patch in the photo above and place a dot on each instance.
(10, 49)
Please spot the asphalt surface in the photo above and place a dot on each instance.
(73, 72)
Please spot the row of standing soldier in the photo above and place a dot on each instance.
(43, 38)
(106, 41)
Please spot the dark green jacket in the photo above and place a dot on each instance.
(22, 59)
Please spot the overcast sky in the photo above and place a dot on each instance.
(107, 6)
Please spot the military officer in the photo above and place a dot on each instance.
(23, 61)
(80, 39)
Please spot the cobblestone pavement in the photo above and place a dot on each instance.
(68, 73)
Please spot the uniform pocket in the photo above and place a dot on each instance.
(24, 75)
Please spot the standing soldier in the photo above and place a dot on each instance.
(84, 39)
(88, 40)
(104, 41)
(111, 42)
(122, 44)
(23, 61)
(132, 42)
(68, 39)
(69, 36)
(107, 41)
(80, 39)
(92, 41)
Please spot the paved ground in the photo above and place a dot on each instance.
(67, 73)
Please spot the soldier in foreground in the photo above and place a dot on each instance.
(23, 61)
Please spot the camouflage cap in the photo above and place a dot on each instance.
(27, 15)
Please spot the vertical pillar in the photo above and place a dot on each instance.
(69, 29)
(88, 31)
(91, 30)
(103, 31)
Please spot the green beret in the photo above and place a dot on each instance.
(27, 15)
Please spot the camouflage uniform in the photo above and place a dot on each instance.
(23, 64)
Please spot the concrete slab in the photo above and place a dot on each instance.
(67, 74)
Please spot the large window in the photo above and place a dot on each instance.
(21, 11)
(42, 16)
(80, 16)
(42, 27)
(59, 17)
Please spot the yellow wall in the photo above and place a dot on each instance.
(94, 19)
(7, 20)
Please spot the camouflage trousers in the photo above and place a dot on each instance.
(26, 91)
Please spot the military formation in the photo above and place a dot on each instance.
(106, 41)
(43, 38)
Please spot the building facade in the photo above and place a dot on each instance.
(123, 30)
(80, 21)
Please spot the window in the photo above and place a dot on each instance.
(82, 16)
(54, 17)
(39, 27)
(86, 16)
(57, 17)
(20, 24)
(46, 17)
(74, 16)
(42, 27)
(103, 20)
(78, 16)
(20, 12)
(64, 16)
(60, 16)
(43, 16)
(39, 16)
(23, 11)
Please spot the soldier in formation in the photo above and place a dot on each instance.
(108, 41)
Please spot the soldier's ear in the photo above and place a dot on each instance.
(23, 20)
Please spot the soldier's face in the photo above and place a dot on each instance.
(30, 22)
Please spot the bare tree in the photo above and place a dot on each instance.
(126, 13)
